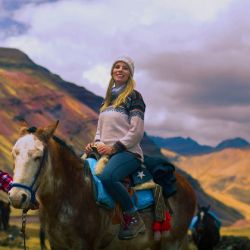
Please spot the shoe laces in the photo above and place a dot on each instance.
(128, 220)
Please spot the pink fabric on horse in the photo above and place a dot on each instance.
(5, 181)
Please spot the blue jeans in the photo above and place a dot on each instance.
(118, 167)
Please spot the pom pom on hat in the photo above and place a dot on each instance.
(126, 60)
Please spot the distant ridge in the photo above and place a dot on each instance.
(13, 56)
(188, 146)
(232, 143)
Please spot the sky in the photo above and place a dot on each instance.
(192, 63)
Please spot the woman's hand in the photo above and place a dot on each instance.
(105, 149)
(88, 148)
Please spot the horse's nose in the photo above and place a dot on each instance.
(24, 198)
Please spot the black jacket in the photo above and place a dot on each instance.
(162, 171)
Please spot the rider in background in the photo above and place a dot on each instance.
(212, 214)
(119, 132)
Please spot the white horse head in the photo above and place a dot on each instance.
(29, 155)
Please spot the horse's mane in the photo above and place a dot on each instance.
(68, 153)
(65, 145)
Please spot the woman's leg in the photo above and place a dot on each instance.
(120, 166)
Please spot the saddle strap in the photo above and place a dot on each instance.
(160, 206)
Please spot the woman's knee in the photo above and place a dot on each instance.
(106, 178)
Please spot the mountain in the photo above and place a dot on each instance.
(31, 92)
(187, 146)
(227, 214)
(224, 175)
(180, 145)
(80, 93)
(232, 143)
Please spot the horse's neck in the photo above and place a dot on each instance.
(66, 195)
(63, 179)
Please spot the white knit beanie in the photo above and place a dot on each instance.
(126, 60)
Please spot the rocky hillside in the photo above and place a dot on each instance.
(224, 175)
(29, 92)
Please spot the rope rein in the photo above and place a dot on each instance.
(24, 214)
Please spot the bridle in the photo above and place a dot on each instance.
(32, 188)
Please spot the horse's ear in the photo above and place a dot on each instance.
(48, 131)
(23, 126)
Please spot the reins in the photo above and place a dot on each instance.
(24, 214)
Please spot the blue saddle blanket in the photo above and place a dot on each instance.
(141, 198)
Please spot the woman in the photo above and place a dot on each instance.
(119, 132)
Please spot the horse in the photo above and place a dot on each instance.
(47, 169)
(205, 233)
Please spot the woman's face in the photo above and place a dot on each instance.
(120, 73)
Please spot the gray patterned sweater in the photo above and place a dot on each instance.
(123, 127)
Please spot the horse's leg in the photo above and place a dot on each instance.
(180, 244)
(217, 237)
(184, 243)
(42, 237)
(5, 218)
(170, 246)
(54, 247)
(42, 234)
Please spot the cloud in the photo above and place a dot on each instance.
(191, 57)
(210, 84)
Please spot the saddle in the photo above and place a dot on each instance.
(154, 170)
(142, 194)
(140, 179)
(146, 185)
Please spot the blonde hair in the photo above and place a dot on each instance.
(130, 85)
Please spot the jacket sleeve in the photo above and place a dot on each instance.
(136, 128)
(97, 134)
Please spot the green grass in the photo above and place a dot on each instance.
(32, 238)
(31, 231)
